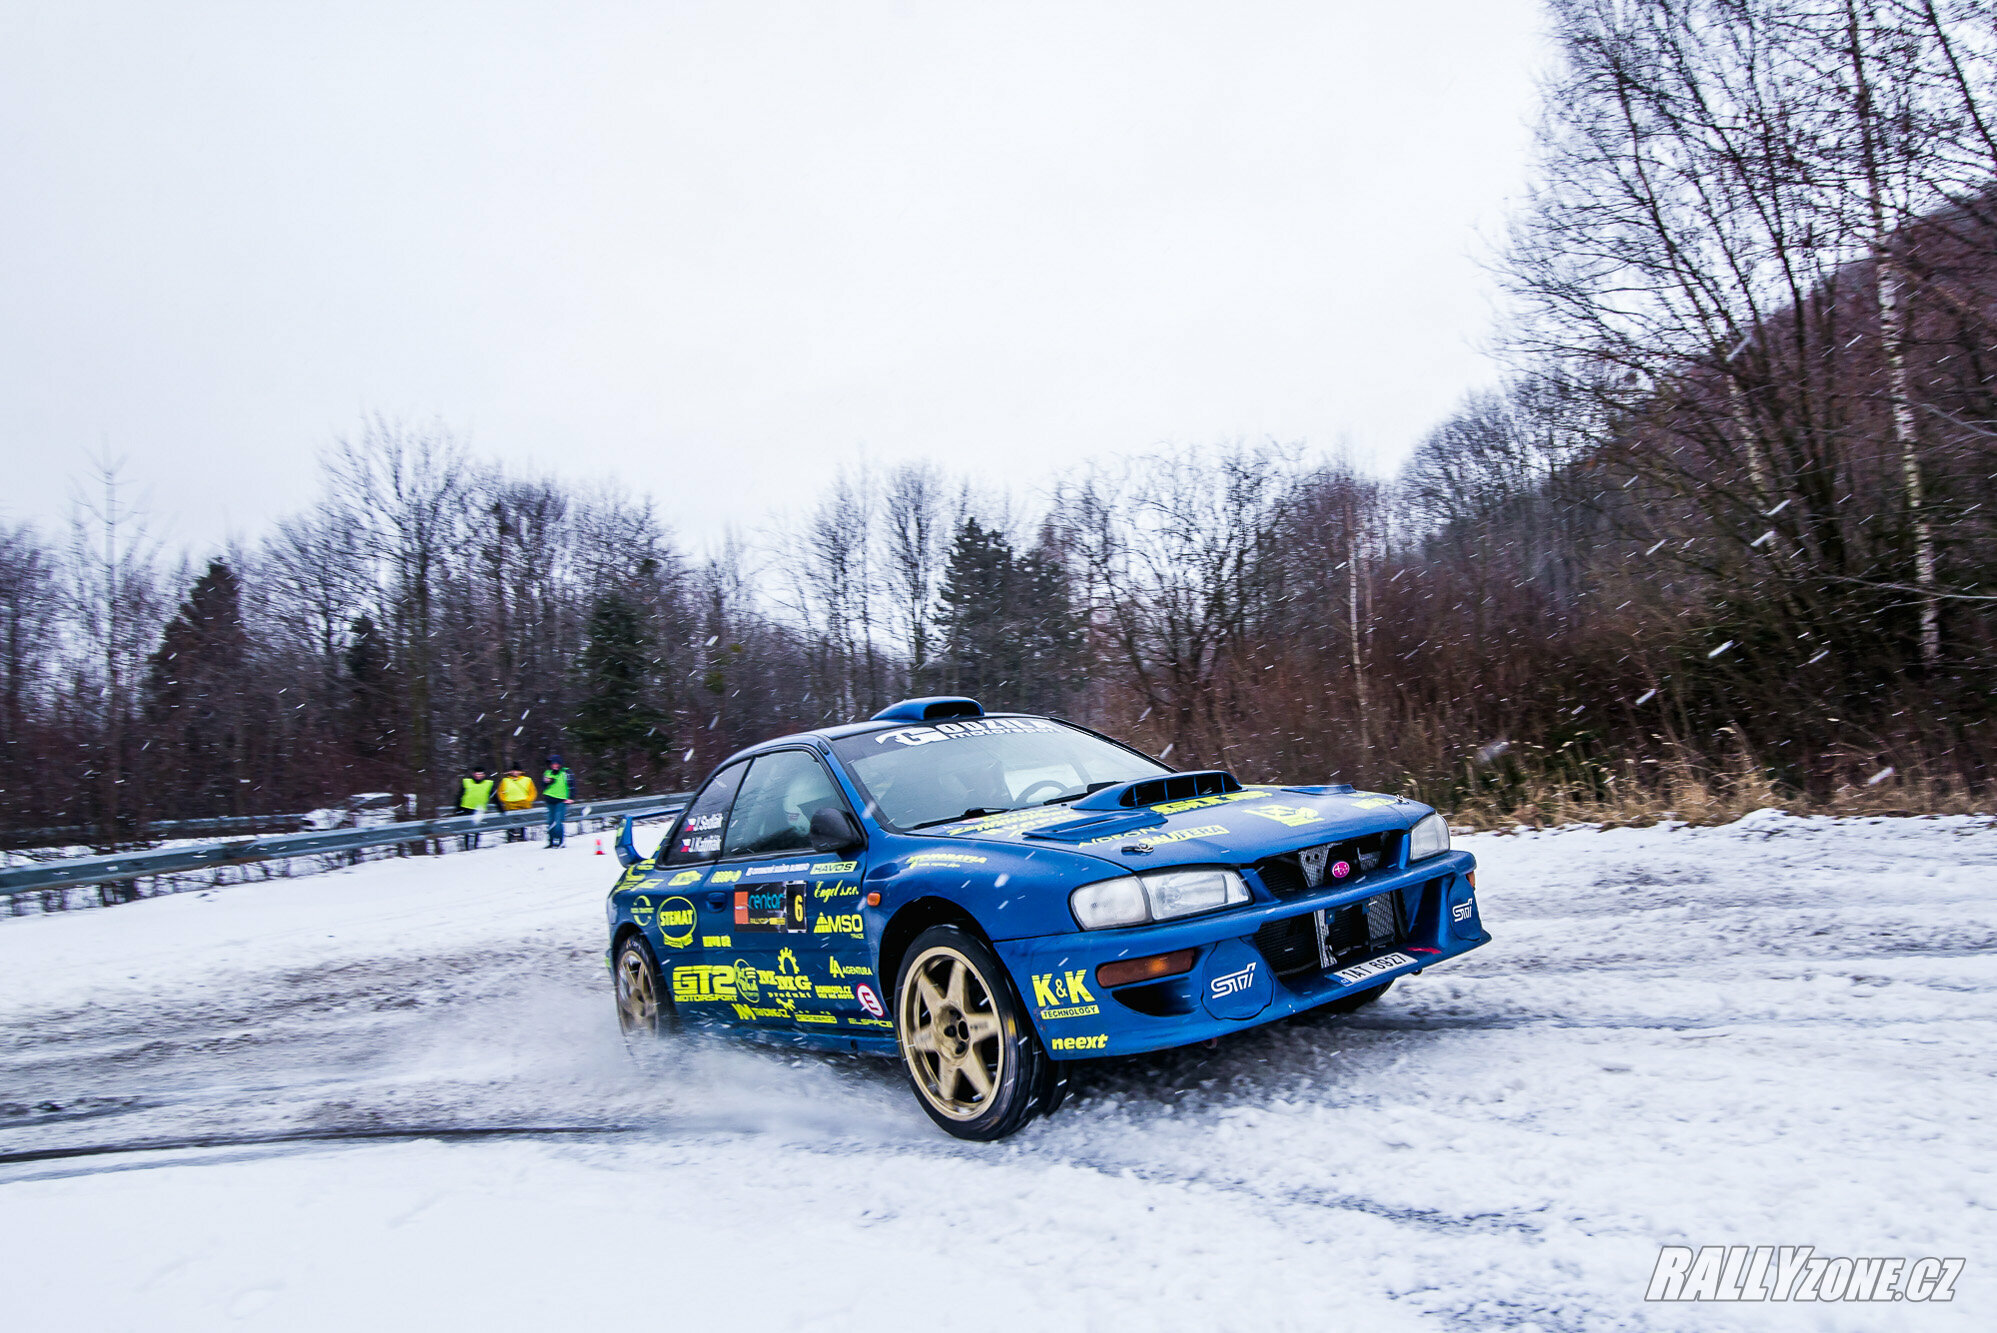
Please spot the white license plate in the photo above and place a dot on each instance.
(1372, 967)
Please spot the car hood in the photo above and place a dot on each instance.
(1237, 827)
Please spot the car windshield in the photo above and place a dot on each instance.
(935, 772)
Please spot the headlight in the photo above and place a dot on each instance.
(1132, 899)
(1430, 838)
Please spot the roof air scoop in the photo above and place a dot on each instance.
(1152, 791)
(935, 708)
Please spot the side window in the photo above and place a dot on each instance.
(779, 797)
(698, 837)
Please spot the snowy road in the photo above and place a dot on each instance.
(1778, 1033)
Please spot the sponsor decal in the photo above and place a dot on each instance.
(840, 969)
(708, 844)
(764, 872)
(705, 823)
(1094, 1043)
(727, 876)
(956, 731)
(778, 908)
(1064, 994)
(1013, 821)
(703, 985)
(684, 878)
(1296, 816)
(717, 941)
(641, 912)
(1373, 803)
(1797, 1273)
(816, 1018)
(1199, 802)
(1233, 982)
(870, 1022)
(676, 920)
(840, 890)
(746, 984)
(944, 859)
(865, 995)
(822, 991)
(1181, 835)
(835, 868)
(1462, 910)
(839, 923)
(747, 1011)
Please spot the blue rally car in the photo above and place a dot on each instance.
(988, 896)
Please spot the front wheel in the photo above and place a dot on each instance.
(642, 1010)
(972, 1057)
(1347, 1004)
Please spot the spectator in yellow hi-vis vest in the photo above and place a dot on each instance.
(516, 792)
(473, 799)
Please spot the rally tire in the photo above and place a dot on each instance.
(642, 1007)
(972, 1058)
(1346, 1004)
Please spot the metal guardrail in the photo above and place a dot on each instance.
(220, 826)
(82, 870)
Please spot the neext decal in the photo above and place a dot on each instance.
(1094, 1043)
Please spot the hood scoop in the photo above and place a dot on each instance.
(1153, 791)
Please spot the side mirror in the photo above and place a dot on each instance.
(627, 848)
(834, 830)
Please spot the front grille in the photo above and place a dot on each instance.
(1316, 867)
(1290, 945)
(1352, 932)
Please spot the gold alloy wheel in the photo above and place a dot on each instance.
(637, 998)
(951, 1034)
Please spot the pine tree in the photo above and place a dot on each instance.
(194, 696)
(617, 723)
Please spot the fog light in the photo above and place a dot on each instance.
(1126, 970)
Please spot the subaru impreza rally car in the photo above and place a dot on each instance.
(989, 896)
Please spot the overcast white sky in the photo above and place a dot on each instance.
(714, 250)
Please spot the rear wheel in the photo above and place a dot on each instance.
(642, 1009)
(972, 1057)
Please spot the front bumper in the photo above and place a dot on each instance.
(1233, 983)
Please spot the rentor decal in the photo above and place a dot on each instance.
(779, 908)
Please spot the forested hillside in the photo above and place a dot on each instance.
(1727, 527)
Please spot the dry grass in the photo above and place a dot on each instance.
(1640, 795)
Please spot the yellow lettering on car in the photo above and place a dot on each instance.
(1091, 1043)
(676, 922)
(684, 878)
(840, 924)
(703, 985)
(1064, 994)
(1294, 815)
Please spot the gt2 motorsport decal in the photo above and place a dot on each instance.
(1373, 967)
(1064, 994)
(1095, 1043)
(675, 923)
(703, 985)
(950, 731)
(865, 994)
(1233, 982)
(777, 908)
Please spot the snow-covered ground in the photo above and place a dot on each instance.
(1782, 1032)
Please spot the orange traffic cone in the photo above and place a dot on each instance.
(599, 847)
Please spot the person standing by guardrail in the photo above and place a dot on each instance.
(516, 792)
(475, 796)
(555, 791)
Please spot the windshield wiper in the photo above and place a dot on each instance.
(974, 812)
(1089, 790)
